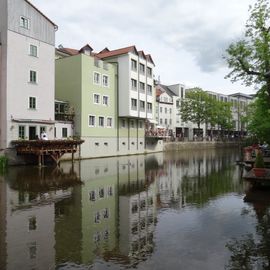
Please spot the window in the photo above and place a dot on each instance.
(133, 84)
(33, 76)
(123, 123)
(149, 107)
(33, 50)
(142, 87)
(97, 62)
(131, 123)
(32, 103)
(142, 68)
(161, 109)
(21, 132)
(165, 110)
(170, 121)
(160, 121)
(32, 223)
(133, 65)
(149, 90)
(101, 193)
(105, 100)
(105, 80)
(142, 106)
(92, 195)
(96, 78)
(133, 104)
(166, 122)
(24, 22)
(170, 110)
(97, 217)
(149, 72)
(96, 98)
(91, 121)
(109, 122)
(64, 132)
(101, 121)
(106, 213)
(110, 191)
(42, 129)
(140, 124)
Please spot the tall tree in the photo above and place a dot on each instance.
(194, 107)
(249, 58)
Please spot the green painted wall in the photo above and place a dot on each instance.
(68, 85)
(88, 91)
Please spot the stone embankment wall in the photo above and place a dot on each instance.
(176, 146)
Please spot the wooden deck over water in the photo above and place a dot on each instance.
(53, 148)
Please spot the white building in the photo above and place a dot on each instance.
(168, 102)
(27, 49)
(136, 84)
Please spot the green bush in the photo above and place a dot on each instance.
(3, 162)
(259, 162)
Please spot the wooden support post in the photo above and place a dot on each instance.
(39, 160)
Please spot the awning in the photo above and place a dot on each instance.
(46, 122)
(160, 127)
(152, 121)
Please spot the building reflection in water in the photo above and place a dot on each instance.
(28, 199)
(50, 220)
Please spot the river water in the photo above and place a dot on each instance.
(182, 210)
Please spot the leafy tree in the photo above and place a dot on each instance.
(224, 115)
(258, 117)
(249, 58)
(194, 107)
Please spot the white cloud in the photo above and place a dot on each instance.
(185, 37)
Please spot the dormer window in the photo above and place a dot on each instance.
(24, 22)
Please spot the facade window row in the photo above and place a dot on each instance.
(100, 121)
(98, 78)
(134, 105)
(101, 193)
(134, 67)
(134, 87)
(98, 99)
(124, 123)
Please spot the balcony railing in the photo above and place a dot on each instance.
(64, 116)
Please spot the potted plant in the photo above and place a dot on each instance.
(259, 167)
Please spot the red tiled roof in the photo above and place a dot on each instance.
(55, 26)
(117, 52)
(69, 51)
(158, 92)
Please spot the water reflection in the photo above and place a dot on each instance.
(252, 250)
(105, 211)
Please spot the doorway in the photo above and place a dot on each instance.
(32, 133)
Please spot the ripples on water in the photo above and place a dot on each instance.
(183, 210)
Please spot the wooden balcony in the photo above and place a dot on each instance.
(53, 148)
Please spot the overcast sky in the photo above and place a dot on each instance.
(186, 38)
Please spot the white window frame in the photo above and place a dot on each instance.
(142, 68)
(64, 128)
(24, 22)
(99, 117)
(134, 67)
(94, 117)
(134, 108)
(30, 76)
(104, 104)
(149, 90)
(99, 81)
(111, 126)
(108, 81)
(94, 101)
(31, 51)
(24, 129)
(29, 103)
(134, 88)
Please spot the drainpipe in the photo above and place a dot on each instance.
(117, 101)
